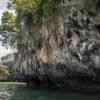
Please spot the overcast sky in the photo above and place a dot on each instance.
(3, 7)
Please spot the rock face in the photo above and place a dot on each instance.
(81, 43)
(69, 58)
(78, 59)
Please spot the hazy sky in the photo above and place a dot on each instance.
(3, 50)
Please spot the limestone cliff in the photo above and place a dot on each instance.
(69, 51)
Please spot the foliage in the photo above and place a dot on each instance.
(8, 27)
(35, 12)
(8, 21)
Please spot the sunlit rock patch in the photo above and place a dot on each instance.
(4, 73)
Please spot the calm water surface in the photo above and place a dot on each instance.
(13, 92)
